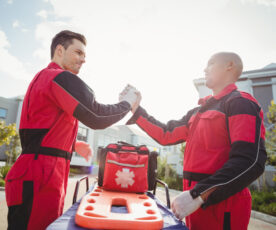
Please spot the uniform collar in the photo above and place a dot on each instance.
(228, 89)
(53, 65)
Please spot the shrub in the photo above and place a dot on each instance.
(174, 182)
(167, 174)
(2, 183)
(268, 208)
(264, 201)
(74, 171)
(4, 171)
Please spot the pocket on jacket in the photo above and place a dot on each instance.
(15, 178)
(48, 165)
(20, 167)
(213, 131)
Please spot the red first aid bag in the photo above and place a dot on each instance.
(124, 167)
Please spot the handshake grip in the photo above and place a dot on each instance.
(132, 96)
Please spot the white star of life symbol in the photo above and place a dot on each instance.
(124, 178)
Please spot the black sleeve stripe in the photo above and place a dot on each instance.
(75, 87)
(243, 106)
(87, 109)
(83, 94)
(96, 122)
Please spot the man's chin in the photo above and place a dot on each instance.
(208, 84)
(74, 71)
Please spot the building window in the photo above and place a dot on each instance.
(3, 113)
(82, 134)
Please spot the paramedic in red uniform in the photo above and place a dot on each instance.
(225, 149)
(55, 100)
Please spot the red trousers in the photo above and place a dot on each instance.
(230, 214)
(35, 191)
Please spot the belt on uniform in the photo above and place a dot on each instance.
(192, 176)
(48, 151)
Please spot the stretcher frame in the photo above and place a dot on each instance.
(67, 220)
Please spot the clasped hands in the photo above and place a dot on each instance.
(129, 94)
(183, 205)
(132, 96)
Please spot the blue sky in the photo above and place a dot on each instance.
(18, 19)
(159, 46)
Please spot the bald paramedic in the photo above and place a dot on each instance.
(225, 149)
(55, 101)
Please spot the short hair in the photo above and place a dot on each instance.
(65, 38)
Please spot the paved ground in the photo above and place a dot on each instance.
(160, 194)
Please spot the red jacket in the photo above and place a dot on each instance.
(225, 142)
(56, 99)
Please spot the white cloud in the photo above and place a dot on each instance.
(261, 2)
(15, 24)
(144, 43)
(4, 43)
(44, 33)
(24, 30)
(156, 45)
(10, 1)
(43, 14)
(9, 64)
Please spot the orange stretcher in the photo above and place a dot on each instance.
(95, 211)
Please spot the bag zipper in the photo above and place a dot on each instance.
(126, 165)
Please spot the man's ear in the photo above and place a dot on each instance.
(230, 65)
(59, 50)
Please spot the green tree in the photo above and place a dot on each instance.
(167, 174)
(6, 133)
(182, 150)
(13, 149)
(271, 134)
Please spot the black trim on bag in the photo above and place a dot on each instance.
(19, 215)
(227, 221)
(152, 161)
(101, 156)
(121, 144)
(152, 170)
(127, 150)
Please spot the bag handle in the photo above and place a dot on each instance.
(125, 144)
(130, 145)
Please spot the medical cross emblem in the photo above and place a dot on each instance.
(124, 178)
